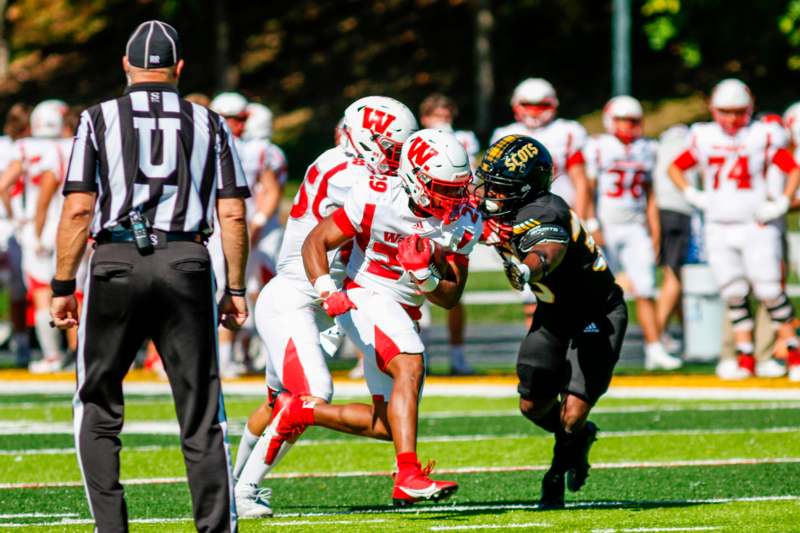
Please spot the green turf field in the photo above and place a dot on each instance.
(660, 465)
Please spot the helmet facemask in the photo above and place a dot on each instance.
(731, 120)
(535, 114)
(441, 198)
(496, 199)
(627, 129)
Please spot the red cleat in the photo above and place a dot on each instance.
(418, 486)
(747, 362)
(290, 418)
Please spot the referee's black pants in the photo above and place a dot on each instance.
(168, 297)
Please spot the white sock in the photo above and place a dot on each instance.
(745, 347)
(256, 468)
(245, 447)
(225, 353)
(49, 338)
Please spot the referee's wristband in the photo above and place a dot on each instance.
(62, 287)
(235, 292)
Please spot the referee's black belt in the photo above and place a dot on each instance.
(107, 236)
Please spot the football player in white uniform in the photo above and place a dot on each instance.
(39, 163)
(791, 121)
(261, 180)
(535, 105)
(287, 314)
(743, 245)
(413, 234)
(17, 126)
(620, 165)
(438, 111)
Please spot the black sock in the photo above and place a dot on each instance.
(551, 421)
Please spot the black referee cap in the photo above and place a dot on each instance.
(154, 44)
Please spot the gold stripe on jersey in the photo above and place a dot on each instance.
(522, 227)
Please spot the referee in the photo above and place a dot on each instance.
(146, 173)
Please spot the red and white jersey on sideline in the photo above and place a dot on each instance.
(324, 189)
(564, 139)
(378, 215)
(734, 167)
(258, 155)
(621, 172)
(7, 154)
(469, 141)
(38, 156)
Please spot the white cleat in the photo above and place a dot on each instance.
(657, 358)
(252, 501)
(671, 344)
(770, 369)
(46, 365)
(729, 370)
(794, 373)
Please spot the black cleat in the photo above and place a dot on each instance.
(579, 460)
(552, 490)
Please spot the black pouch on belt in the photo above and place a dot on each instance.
(142, 231)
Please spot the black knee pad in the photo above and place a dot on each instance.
(780, 309)
(739, 313)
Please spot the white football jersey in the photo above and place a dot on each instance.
(378, 215)
(470, 143)
(324, 189)
(622, 172)
(7, 154)
(39, 156)
(564, 139)
(258, 155)
(734, 167)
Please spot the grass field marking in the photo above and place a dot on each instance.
(37, 515)
(437, 438)
(270, 523)
(648, 529)
(461, 470)
(491, 526)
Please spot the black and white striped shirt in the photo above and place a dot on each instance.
(152, 150)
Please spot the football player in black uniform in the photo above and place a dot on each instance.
(567, 358)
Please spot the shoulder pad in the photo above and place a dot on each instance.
(542, 233)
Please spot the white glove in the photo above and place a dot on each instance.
(698, 199)
(772, 209)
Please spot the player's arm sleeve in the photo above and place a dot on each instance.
(351, 218)
(577, 143)
(539, 226)
(784, 160)
(82, 173)
(231, 182)
(690, 156)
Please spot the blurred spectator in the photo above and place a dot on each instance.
(16, 127)
(675, 218)
(439, 111)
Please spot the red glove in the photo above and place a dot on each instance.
(337, 303)
(495, 232)
(414, 253)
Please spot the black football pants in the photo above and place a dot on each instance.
(168, 297)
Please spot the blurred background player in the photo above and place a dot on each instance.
(264, 163)
(233, 108)
(535, 106)
(439, 111)
(16, 127)
(674, 214)
(743, 244)
(288, 315)
(619, 165)
(38, 161)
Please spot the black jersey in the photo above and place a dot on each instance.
(581, 285)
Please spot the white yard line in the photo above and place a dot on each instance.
(438, 438)
(648, 529)
(37, 515)
(526, 525)
(426, 509)
(464, 470)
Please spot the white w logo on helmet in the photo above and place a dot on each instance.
(377, 120)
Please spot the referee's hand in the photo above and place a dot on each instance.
(64, 311)
(232, 312)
